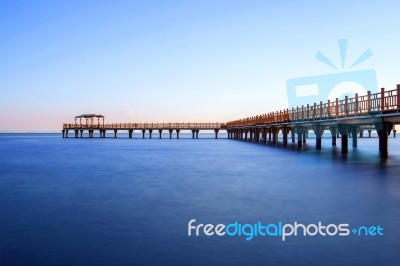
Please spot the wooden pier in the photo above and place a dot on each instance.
(349, 116)
(91, 126)
(379, 111)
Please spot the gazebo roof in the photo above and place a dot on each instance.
(89, 116)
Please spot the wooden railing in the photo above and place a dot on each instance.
(358, 105)
(146, 126)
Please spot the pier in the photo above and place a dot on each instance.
(342, 118)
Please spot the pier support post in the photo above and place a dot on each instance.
(143, 132)
(264, 135)
(197, 133)
(160, 133)
(361, 133)
(130, 133)
(293, 133)
(63, 132)
(344, 132)
(285, 133)
(251, 134)
(104, 133)
(66, 133)
(177, 133)
(193, 131)
(81, 131)
(354, 133)
(383, 129)
(299, 137)
(76, 134)
(345, 143)
(369, 133)
(305, 134)
(216, 133)
(275, 132)
(394, 133)
(318, 131)
(269, 133)
(334, 132)
(150, 132)
(245, 134)
(170, 133)
(115, 133)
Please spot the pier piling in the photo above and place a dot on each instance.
(354, 136)
(383, 129)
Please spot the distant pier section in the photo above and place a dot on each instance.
(94, 122)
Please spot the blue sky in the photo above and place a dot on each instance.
(151, 61)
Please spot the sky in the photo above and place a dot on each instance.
(178, 61)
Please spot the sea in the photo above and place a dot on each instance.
(121, 201)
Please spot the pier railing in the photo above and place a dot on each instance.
(146, 126)
(383, 101)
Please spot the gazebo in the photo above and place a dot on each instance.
(89, 119)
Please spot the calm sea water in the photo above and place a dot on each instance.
(128, 201)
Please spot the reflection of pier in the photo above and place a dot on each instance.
(379, 111)
(91, 125)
